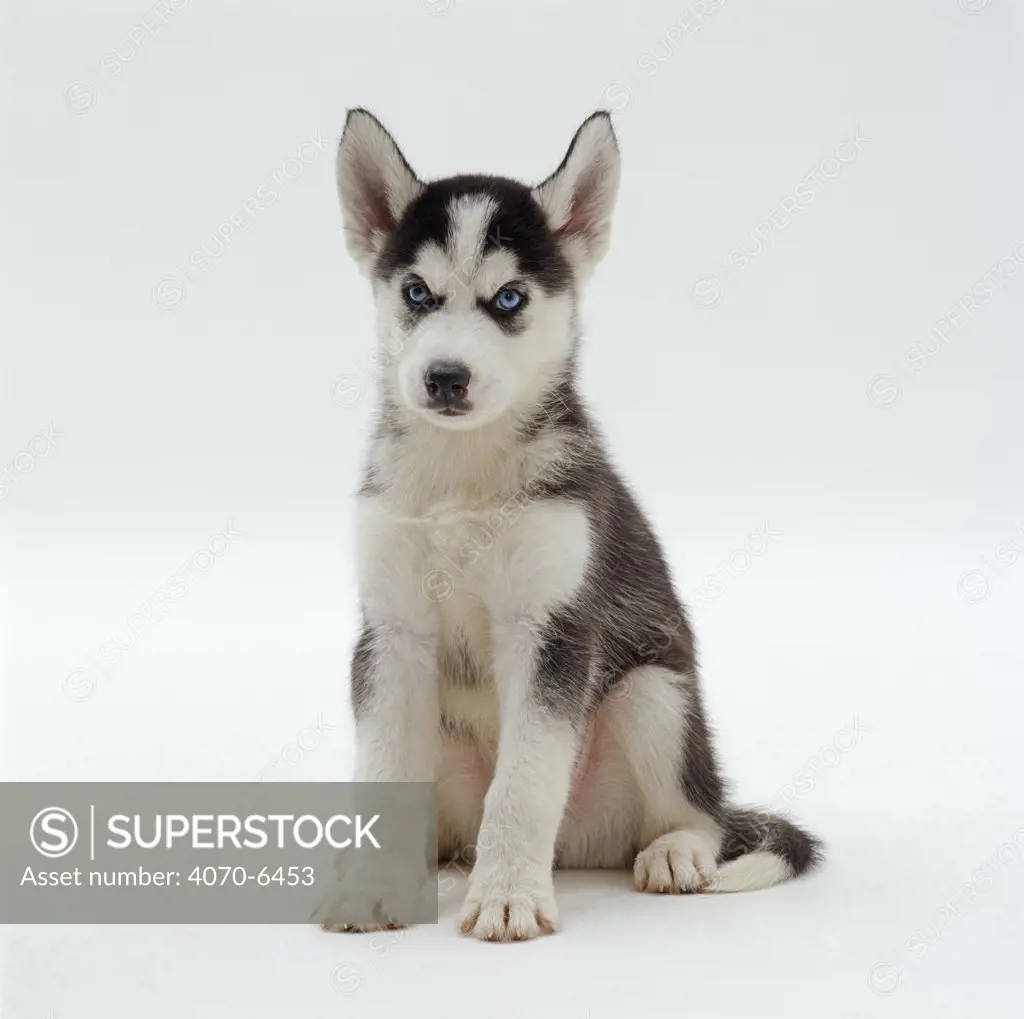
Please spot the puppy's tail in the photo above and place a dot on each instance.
(760, 849)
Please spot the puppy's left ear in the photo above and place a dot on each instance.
(579, 196)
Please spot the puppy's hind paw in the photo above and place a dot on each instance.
(681, 861)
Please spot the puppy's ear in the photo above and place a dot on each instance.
(375, 183)
(579, 196)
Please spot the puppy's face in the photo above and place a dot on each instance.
(474, 277)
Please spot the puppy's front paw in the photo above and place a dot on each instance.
(493, 912)
(373, 900)
(360, 928)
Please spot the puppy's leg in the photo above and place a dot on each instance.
(511, 893)
(541, 669)
(395, 698)
(694, 840)
(658, 722)
(394, 666)
(394, 690)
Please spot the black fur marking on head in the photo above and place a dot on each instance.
(518, 225)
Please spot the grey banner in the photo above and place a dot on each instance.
(218, 852)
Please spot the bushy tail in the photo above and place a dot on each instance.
(760, 849)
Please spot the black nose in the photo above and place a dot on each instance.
(446, 382)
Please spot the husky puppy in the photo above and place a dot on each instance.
(522, 644)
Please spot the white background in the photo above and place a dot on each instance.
(870, 657)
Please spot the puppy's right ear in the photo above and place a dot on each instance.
(375, 183)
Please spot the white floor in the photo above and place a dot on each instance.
(836, 944)
(903, 755)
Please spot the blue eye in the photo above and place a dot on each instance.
(418, 294)
(508, 299)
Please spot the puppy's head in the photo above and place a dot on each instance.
(474, 276)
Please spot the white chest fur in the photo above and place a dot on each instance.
(453, 572)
